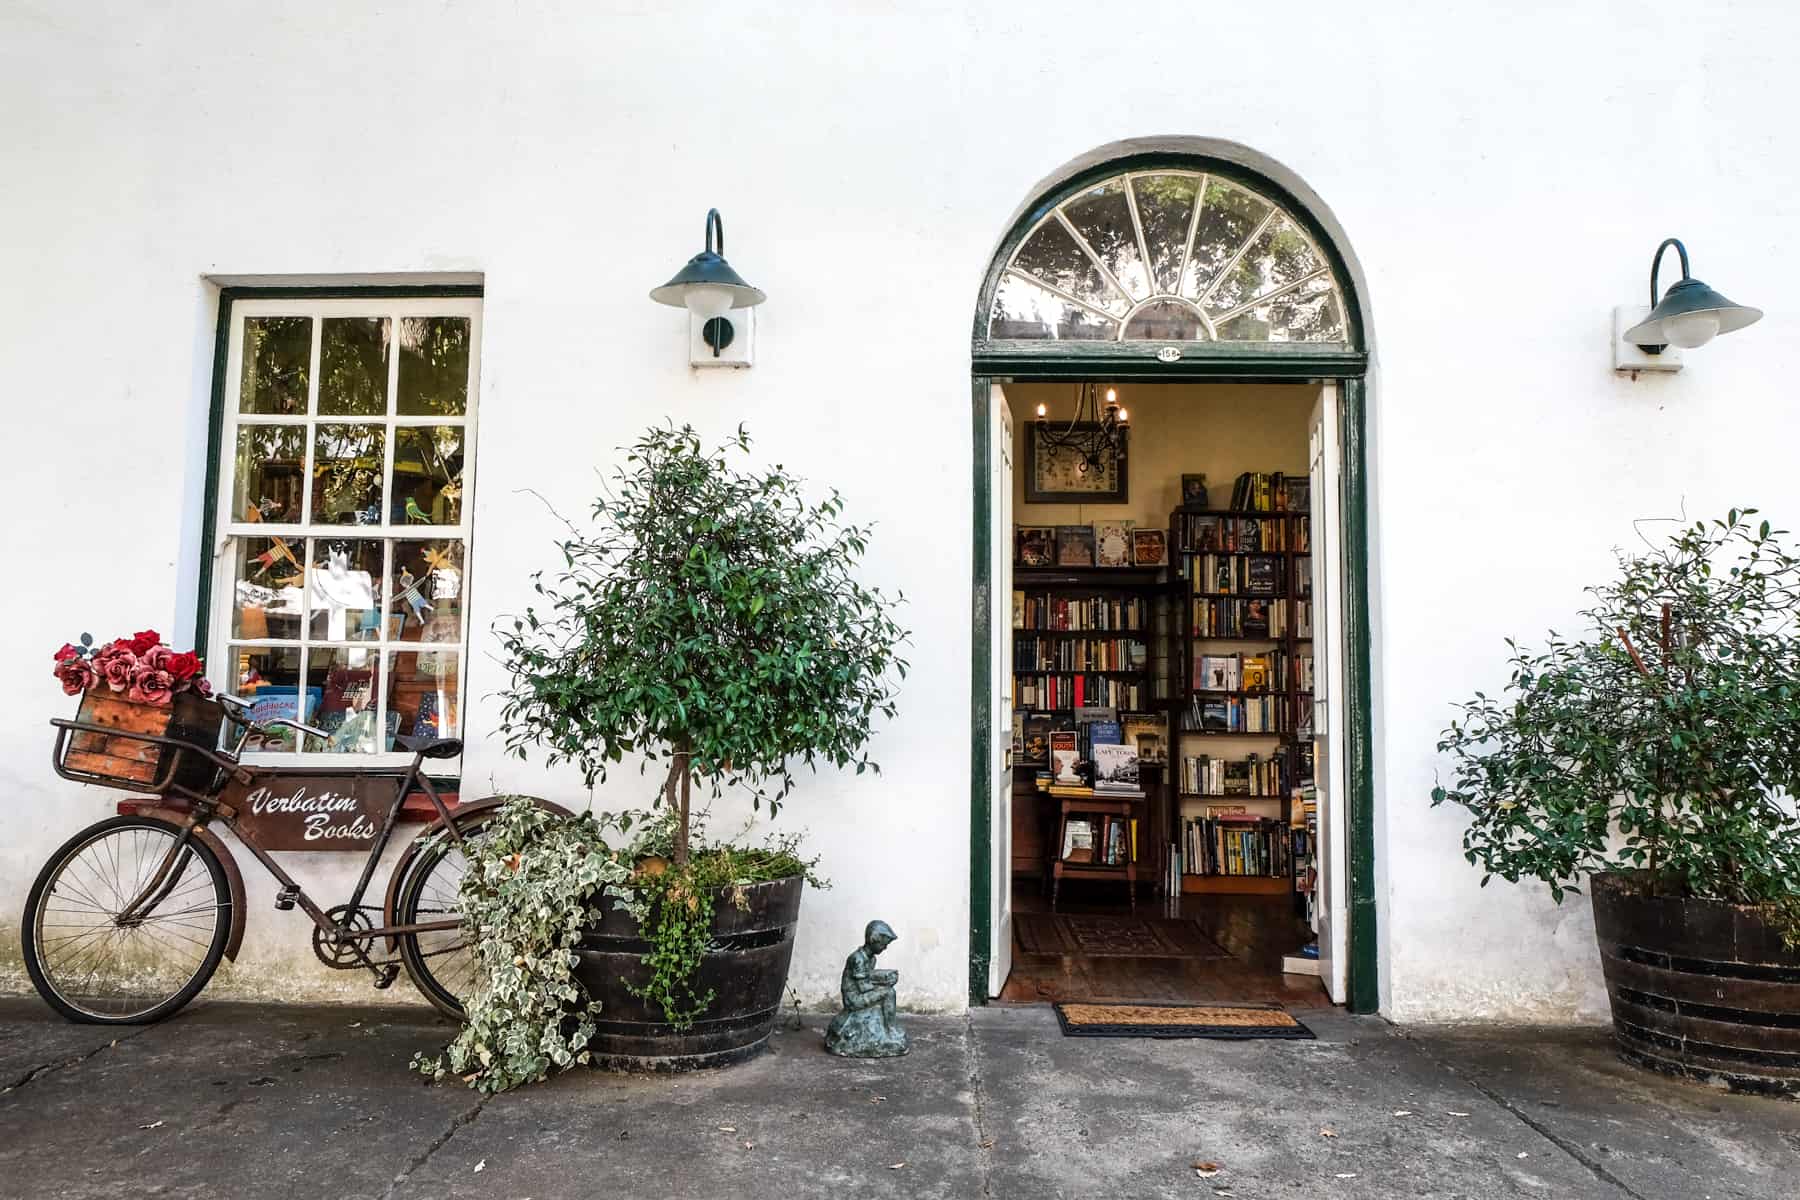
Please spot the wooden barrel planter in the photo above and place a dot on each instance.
(1699, 988)
(746, 969)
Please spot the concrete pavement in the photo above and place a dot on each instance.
(247, 1101)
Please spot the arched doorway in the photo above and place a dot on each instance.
(1191, 261)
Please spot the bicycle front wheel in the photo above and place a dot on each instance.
(91, 962)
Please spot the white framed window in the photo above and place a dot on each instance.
(340, 569)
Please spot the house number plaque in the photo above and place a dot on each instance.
(288, 811)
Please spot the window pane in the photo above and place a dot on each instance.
(1103, 218)
(434, 366)
(267, 590)
(1053, 256)
(1165, 321)
(353, 366)
(428, 472)
(347, 466)
(345, 680)
(427, 588)
(340, 590)
(1024, 310)
(269, 678)
(269, 478)
(1165, 205)
(277, 354)
(1281, 255)
(1310, 313)
(422, 693)
(1228, 216)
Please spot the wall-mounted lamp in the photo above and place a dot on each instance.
(1688, 316)
(710, 290)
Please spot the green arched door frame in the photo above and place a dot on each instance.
(1071, 361)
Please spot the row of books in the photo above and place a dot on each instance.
(1060, 692)
(1263, 672)
(1264, 491)
(1105, 840)
(1238, 714)
(1204, 775)
(1237, 574)
(1102, 544)
(1079, 654)
(1236, 844)
(1229, 618)
(1211, 531)
(1304, 837)
(1147, 733)
(1079, 614)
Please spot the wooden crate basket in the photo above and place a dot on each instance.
(126, 761)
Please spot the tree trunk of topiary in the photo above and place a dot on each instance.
(683, 760)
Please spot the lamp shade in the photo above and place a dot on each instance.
(1686, 316)
(707, 286)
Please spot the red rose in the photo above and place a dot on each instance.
(75, 674)
(151, 686)
(182, 666)
(144, 640)
(115, 664)
(67, 652)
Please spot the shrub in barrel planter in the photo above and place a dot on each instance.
(710, 620)
(1659, 754)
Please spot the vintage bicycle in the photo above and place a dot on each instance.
(131, 917)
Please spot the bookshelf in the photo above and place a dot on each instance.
(1087, 637)
(1240, 719)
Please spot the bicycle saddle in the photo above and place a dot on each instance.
(430, 747)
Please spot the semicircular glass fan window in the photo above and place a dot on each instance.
(1169, 256)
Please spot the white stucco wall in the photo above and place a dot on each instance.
(1502, 184)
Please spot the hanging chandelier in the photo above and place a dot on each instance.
(1095, 436)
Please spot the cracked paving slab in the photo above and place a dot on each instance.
(271, 1101)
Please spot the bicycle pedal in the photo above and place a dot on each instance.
(285, 898)
(385, 976)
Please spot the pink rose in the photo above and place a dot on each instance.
(151, 686)
(75, 674)
(202, 684)
(114, 664)
(156, 657)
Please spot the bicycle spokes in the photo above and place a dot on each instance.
(112, 940)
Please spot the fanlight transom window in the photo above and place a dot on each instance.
(1169, 256)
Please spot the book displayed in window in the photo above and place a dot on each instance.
(1065, 757)
(1034, 546)
(1112, 543)
(1074, 545)
(1116, 770)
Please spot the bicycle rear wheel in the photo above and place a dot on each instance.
(92, 967)
(443, 964)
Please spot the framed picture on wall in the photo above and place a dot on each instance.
(1063, 475)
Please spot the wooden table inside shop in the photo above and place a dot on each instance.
(1084, 801)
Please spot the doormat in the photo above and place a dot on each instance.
(1236, 1022)
(1106, 935)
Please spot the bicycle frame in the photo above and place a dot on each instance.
(207, 806)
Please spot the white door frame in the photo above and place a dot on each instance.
(1000, 452)
(1331, 913)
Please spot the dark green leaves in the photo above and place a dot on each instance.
(1666, 739)
(710, 603)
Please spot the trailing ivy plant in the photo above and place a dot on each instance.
(534, 879)
(711, 617)
(1665, 740)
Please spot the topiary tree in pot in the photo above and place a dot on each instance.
(1658, 755)
(710, 623)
